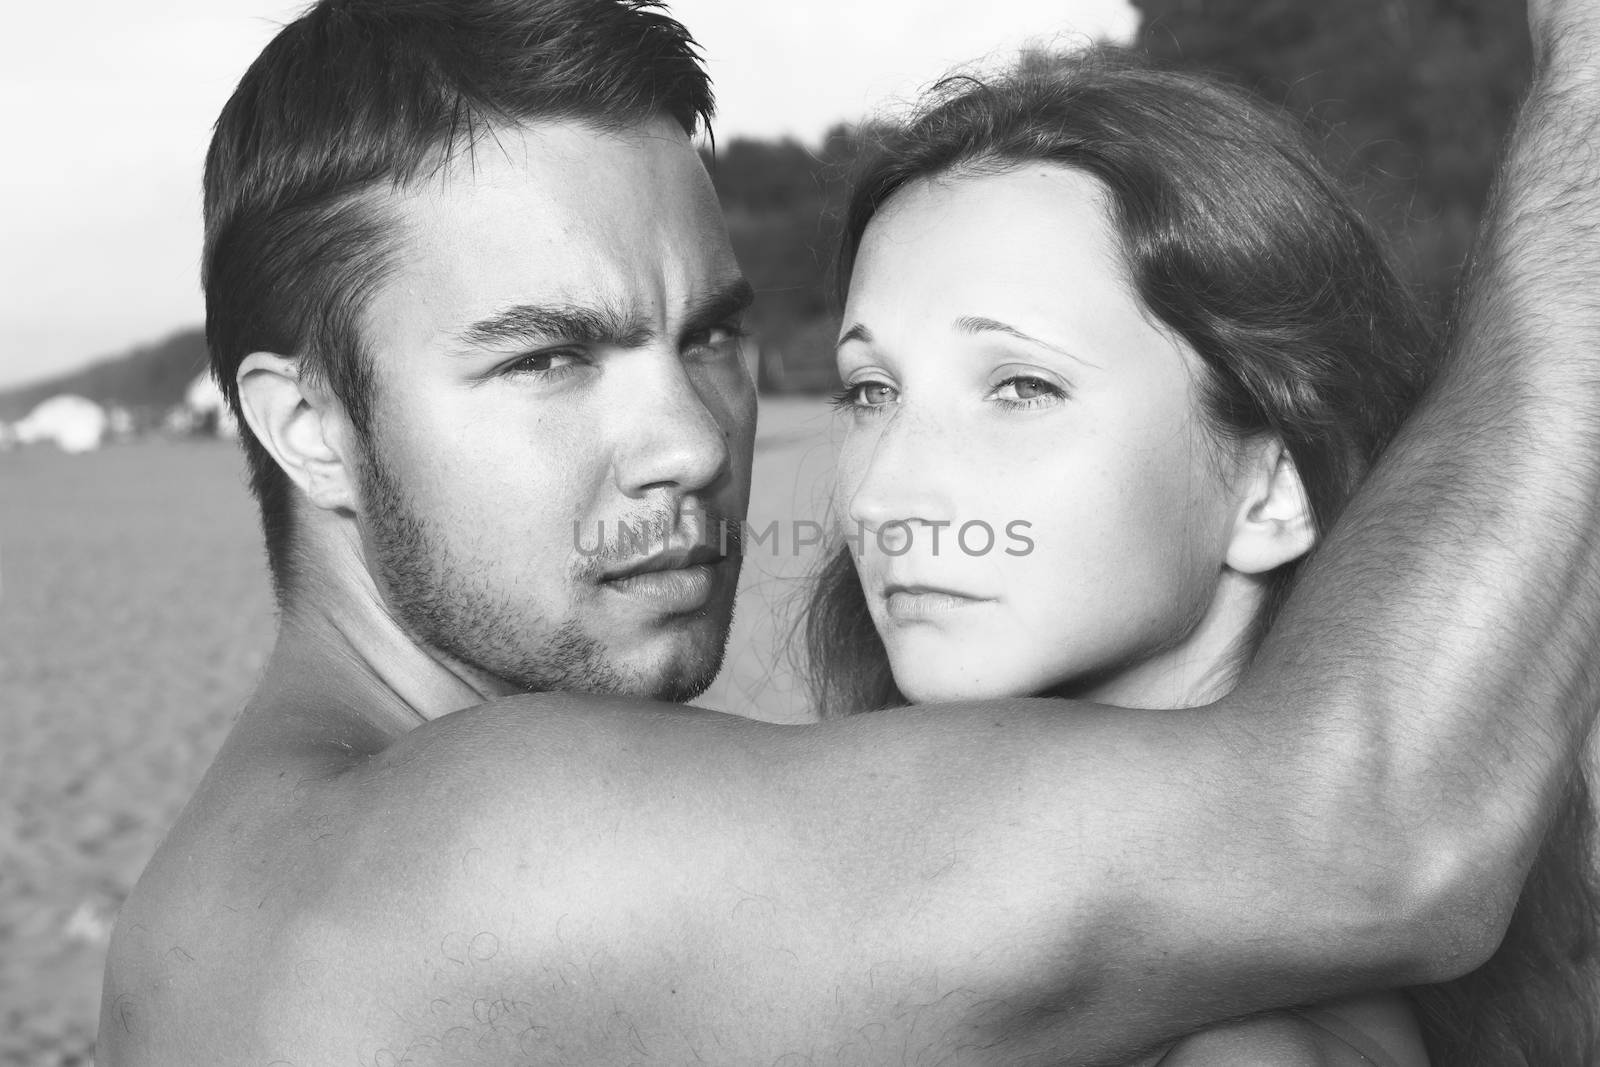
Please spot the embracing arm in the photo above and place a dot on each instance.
(1447, 632)
(592, 880)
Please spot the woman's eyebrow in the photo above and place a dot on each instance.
(856, 332)
(976, 324)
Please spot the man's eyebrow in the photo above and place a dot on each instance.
(600, 325)
(728, 301)
(980, 324)
(550, 323)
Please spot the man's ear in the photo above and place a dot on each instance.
(303, 428)
(1274, 524)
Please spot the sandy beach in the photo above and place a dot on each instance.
(134, 619)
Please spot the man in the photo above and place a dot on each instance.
(468, 286)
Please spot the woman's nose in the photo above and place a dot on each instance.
(899, 475)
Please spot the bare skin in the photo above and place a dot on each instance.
(382, 867)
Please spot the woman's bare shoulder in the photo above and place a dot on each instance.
(1280, 1039)
(1371, 1031)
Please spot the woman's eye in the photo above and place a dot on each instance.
(1023, 389)
(866, 395)
(876, 394)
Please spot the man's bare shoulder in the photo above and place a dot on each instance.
(584, 873)
(316, 886)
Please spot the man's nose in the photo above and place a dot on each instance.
(675, 439)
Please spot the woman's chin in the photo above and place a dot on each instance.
(921, 687)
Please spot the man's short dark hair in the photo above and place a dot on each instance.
(360, 95)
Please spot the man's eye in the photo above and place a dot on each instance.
(546, 363)
(725, 337)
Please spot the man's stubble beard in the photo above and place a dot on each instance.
(445, 606)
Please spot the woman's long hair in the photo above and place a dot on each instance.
(1239, 241)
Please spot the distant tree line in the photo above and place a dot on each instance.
(147, 380)
(783, 201)
(1411, 98)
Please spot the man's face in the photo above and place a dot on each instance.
(556, 352)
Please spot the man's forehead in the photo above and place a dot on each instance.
(564, 214)
(571, 162)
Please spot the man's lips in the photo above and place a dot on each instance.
(668, 560)
(670, 583)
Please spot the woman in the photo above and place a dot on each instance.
(1115, 351)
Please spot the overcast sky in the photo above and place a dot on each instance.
(106, 106)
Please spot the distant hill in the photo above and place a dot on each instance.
(148, 378)
(782, 201)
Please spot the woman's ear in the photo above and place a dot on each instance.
(303, 428)
(1274, 524)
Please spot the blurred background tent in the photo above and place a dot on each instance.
(71, 423)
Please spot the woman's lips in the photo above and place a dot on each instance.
(920, 603)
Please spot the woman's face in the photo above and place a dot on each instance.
(1026, 482)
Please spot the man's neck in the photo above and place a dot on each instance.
(343, 662)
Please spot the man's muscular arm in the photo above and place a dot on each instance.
(1461, 592)
(1452, 620)
(560, 879)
